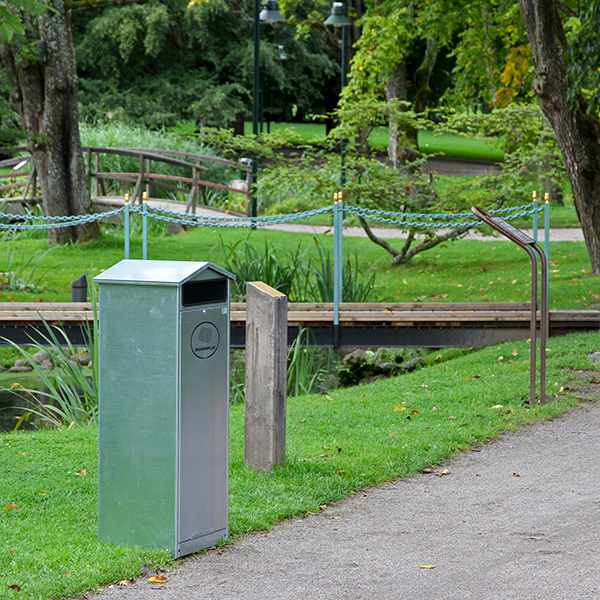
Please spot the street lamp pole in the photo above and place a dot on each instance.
(269, 13)
(339, 18)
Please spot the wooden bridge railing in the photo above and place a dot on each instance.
(143, 180)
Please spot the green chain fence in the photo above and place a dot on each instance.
(339, 209)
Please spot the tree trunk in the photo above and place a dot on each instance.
(423, 75)
(577, 134)
(402, 148)
(44, 94)
(404, 144)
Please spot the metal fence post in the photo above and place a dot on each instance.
(535, 216)
(337, 264)
(547, 241)
(144, 226)
(126, 228)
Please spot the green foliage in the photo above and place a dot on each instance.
(11, 16)
(583, 34)
(532, 159)
(164, 61)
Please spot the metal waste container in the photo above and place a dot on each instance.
(163, 439)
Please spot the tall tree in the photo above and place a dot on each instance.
(40, 63)
(576, 123)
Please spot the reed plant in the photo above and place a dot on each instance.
(293, 272)
(272, 266)
(68, 393)
(20, 273)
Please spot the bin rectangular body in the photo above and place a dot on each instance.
(164, 405)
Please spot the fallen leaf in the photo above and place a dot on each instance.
(594, 381)
(10, 506)
(14, 586)
(82, 472)
(516, 475)
(427, 470)
(414, 412)
(497, 406)
(396, 408)
(444, 472)
(158, 579)
(326, 448)
(427, 566)
(125, 581)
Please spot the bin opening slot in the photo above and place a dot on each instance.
(211, 291)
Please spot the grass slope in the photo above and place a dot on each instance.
(337, 444)
(467, 270)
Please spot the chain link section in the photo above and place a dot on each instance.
(402, 220)
(53, 222)
(161, 214)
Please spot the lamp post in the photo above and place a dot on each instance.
(269, 13)
(339, 18)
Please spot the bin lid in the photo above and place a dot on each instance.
(164, 272)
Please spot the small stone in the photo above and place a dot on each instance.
(83, 359)
(20, 369)
(594, 358)
(47, 365)
(411, 364)
(355, 357)
(22, 362)
(40, 356)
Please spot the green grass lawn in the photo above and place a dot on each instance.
(429, 142)
(337, 443)
(462, 271)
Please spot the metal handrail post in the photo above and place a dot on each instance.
(544, 319)
(531, 247)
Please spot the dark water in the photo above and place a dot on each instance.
(12, 404)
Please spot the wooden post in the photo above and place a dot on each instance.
(266, 376)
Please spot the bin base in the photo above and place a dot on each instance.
(202, 542)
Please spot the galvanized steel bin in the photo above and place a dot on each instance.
(164, 405)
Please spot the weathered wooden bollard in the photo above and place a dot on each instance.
(266, 376)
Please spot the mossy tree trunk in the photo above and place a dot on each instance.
(43, 78)
(577, 133)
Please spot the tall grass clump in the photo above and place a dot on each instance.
(69, 392)
(301, 277)
(20, 274)
(268, 264)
